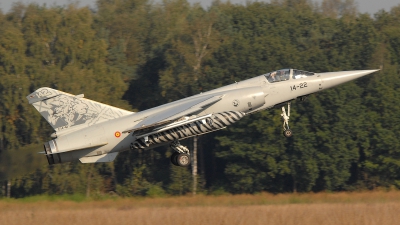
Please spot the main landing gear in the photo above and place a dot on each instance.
(286, 129)
(181, 156)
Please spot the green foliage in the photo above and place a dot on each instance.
(180, 180)
(53, 198)
(155, 191)
(150, 54)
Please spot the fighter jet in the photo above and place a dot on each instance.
(91, 132)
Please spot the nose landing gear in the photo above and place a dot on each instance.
(286, 129)
(181, 156)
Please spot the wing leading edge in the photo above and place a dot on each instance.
(170, 115)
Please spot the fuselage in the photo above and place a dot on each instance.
(238, 99)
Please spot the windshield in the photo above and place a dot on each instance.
(301, 74)
(279, 75)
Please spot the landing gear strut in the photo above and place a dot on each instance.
(286, 129)
(181, 156)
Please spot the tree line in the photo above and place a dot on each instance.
(136, 54)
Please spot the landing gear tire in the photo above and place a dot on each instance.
(181, 156)
(173, 158)
(180, 159)
(183, 159)
(287, 133)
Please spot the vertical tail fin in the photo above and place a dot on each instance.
(64, 111)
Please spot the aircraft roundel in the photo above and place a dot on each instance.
(117, 134)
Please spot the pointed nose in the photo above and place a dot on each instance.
(332, 79)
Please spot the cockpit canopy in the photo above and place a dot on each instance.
(301, 73)
(279, 75)
(284, 74)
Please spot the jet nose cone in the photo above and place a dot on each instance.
(332, 79)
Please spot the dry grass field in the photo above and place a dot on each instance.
(367, 208)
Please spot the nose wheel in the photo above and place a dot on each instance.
(286, 129)
(287, 133)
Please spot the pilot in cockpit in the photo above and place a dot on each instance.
(273, 74)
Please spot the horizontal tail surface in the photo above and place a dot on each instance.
(64, 111)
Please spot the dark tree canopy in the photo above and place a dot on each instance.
(136, 54)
